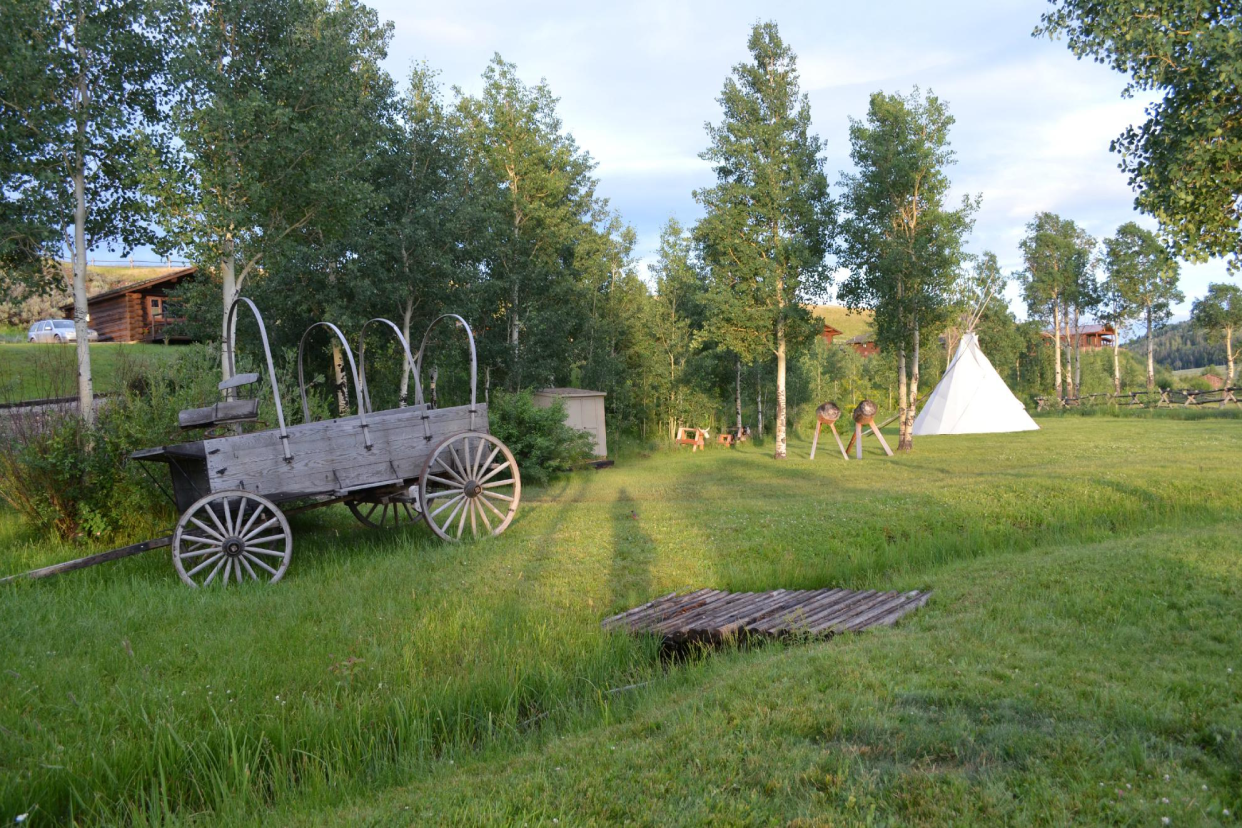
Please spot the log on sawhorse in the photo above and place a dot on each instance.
(828, 414)
(864, 415)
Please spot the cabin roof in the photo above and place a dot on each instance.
(1088, 329)
(571, 392)
(168, 276)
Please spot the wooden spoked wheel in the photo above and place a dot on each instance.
(470, 486)
(392, 512)
(232, 536)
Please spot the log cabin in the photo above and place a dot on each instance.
(829, 333)
(1090, 337)
(138, 312)
(864, 345)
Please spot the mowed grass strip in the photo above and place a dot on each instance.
(1076, 684)
(382, 657)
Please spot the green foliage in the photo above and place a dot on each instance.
(1142, 276)
(1178, 346)
(73, 480)
(902, 245)
(1183, 160)
(536, 187)
(54, 134)
(277, 107)
(768, 220)
(1219, 314)
(540, 441)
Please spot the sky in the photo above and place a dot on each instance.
(638, 81)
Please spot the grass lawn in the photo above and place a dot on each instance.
(1078, 662)
(43, 370)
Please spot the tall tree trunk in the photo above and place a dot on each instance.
(904, 441)
(737, 397)
(1069, 355)
(1077, 356)
(81, 309)
(913, 391)
(1117, 364)
(1056, 344)
(1229, 357)
(342, 384)
(515, 373)
(780, 448)
(228, 275)
(759, 397)
(672, 396)
(407, 316)
(1151, 361)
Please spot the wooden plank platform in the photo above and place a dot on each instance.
(713, 615)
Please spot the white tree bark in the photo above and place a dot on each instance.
(228, 275)
(1056, 344)
(781, 448)
(81, 309)
(1151, 361)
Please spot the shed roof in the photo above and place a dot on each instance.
(571, 392)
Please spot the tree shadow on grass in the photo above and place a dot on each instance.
(633, 552)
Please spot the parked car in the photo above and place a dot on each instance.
(57, 330)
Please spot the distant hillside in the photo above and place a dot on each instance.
(1178, 347)
(849, 324)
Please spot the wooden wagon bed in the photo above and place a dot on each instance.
(713, 615)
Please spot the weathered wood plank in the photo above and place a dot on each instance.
(830, 622)
(713, 615)
(91, 560)
(658, 611)
(818, 600)
(323, 456)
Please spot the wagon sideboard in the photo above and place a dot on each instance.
(331, 457)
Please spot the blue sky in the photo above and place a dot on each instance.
(637, 81)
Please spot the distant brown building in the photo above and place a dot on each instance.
(139, 312)
(864, 345)
(1090, 337)
(829, 333)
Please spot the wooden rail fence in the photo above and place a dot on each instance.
(1159, 398)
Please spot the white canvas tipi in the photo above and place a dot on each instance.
(971, 398)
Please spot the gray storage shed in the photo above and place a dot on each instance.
(584, 410)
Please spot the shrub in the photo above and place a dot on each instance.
(74, 480)
(538, 437)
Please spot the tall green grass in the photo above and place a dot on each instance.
(128, 697)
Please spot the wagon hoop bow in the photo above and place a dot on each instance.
(474, 362)
(353, 369)
(230, 350)
(362, 361)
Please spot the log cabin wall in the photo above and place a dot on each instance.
(111, 318)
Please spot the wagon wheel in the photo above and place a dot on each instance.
(392, 512)
(232, 535)
(470, 483)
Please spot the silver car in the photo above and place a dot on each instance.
(57, 330)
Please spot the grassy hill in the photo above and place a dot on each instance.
(1078, 662)
(849, 324)
(1179, 346)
